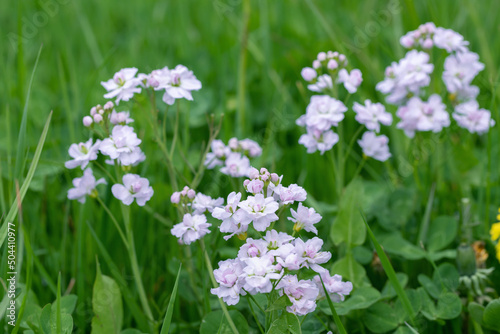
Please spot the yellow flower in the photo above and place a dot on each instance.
(495, 231)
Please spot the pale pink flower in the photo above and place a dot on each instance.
(260, 210)
(305, 218)
(376, 147)
(178, 83)
(316, 140)
(133, 187)
(227, 275)
(203, 203)
(192, 228)
(372, 115)
(84, 186)
(82, 154)
(123, 86)
(302, 294)
(469, 116)
(336, 289)
(351, 80)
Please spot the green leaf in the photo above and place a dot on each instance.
(362, 254)
(215, 322)
(131, 331)
(449, 306)
(476, 312)
(429, 285)
(348, 267)
(395, 209)
(280, 304)
(491, 315)
(395, 244)
(24, 188)
(45, 319)
(380, 318)
(442, 231)
(170, 309)
(287, 323)
(68, 303)
(446, 276)
(359, 299)
(107, 305)
(348, 226)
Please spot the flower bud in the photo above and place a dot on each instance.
(87, 121)
(274, 178)
(427, 44)
(108, 105)
(254, 173)
(175, 198)
(316, 64)
(466, 260)
(332, 64)
(321, 56)
(191, 193)
(97, 118)
(308, 73)
(93, 111)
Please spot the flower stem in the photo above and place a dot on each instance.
(214, 283)
(176, 132)
(113, 219)
(135, 265)
(253, 313)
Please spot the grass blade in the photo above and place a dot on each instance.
(391, 274)
(24, 188)
(21, 139)
(170, 309)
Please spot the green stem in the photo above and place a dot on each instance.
(115, 222)
(340, 161)
(336, 318)
(353, 140)
(176, 132)
(242, 66)
(254, 315)
(360, 167)
(215, 285)
(135, 265)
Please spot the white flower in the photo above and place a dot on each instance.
(316, 140)
(305, 218)
(123, 145)
(203, 203)
(178, 83)
(253, 248)
(302, 294)
(375, 146)
(351, 80)
(418, 115)
(122, 117)
(372, 115)
(192, 228)
(469, 116)
(82, 153)
(290, 194)
(334, 286)
(236, 165)
(234, 220)
(459, 71)
(449, 40)
(311, 252)
(322, 113)
(123, 86)
(324, 83)
(260, 210)
(308, 73)
(250, 148)
(84, 186)
(133, 187)
(227, 275)
(258, 273)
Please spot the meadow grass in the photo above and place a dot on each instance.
(251, 75)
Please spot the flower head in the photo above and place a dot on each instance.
(192, 228)
(469, 116)
(133, 187)
(376, 147)
(82, 154)
(178, 83)
(84, 186)
(123, 85)
(372, 115)
(123, 145)
(230, 284)
(260, 210)
(351, 80)
(305, 218)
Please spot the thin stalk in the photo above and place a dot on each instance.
(336, 318)
(176, 132)
(115, 222)
(360, 167)
(242, 66)
(108, 174)
(135, 265)
(353, 140)
(254, 315)
(422, 234)
(214, 283)
(340, 161)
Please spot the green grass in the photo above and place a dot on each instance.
(87, 42)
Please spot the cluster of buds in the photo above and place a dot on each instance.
(234, 158)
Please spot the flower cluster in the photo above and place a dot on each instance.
(234, 157)
(194, 206)
(121, 147)
(275, 261)
(176, 83)
(405, 83)
(325, 112)
(495, 235)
